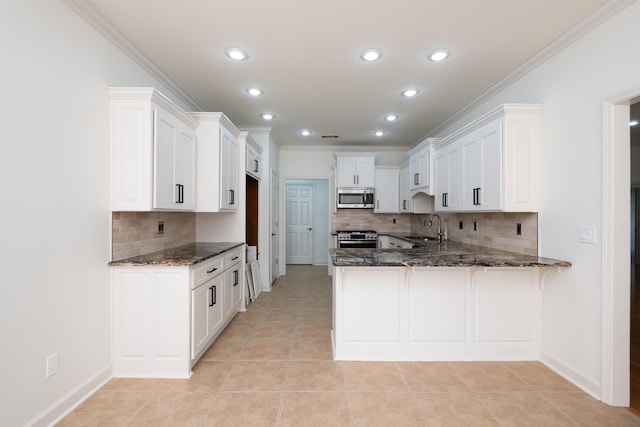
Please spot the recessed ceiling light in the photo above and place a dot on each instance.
(633, 123)
(370, 55)
(439, 55)
(391, 117)
(378, 133)
(253, 91)
(267, 116)
(410, 92)
(305, 132)
(236, 54)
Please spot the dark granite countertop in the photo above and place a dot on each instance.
(433, 254)
(185, 255)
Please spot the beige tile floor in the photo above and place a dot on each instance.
(272, 366)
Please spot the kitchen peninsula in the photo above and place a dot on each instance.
(437, 301)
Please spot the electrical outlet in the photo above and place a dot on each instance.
(52, 365)
(519, 229)
(160, 227)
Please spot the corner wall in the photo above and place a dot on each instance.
(55, 295)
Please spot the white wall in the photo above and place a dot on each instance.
(55, 244)
(572, 85)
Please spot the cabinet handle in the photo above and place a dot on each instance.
(445, 200)
(212, 270)
(213, 296)
(235, 277)
(235, 258)
(255, 166)
(476, 196)
(180, 193)
(232, 197)
(404, 204)
(416, 178)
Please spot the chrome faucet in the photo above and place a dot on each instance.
(439, 235)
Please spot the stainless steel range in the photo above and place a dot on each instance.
(366, 239)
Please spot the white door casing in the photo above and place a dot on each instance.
(275, 195)
(299, 224)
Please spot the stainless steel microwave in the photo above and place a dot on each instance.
(355, 198)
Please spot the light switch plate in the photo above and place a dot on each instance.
(587, 234)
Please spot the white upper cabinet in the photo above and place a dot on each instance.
(219, 163)
(387, 190)
(420, 170)
(153, 152)
(254, 155)
(406, 202)
(357, 171)
(492, 163)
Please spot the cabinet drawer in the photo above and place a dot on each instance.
(234, 256)
(207, 270)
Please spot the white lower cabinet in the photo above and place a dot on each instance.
(436, 313)
(165, 318)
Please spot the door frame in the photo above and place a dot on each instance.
(310, 244)
(616, 252)
(283, 200)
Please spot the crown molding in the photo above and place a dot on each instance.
(104, 27)
(585, 26)
(345, 148)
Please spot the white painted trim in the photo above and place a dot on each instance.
(70, 401)
(587, 384)
(104, 27)
(616, 182)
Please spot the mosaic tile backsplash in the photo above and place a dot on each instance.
(136, 233)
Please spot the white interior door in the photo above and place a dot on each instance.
(299, 224)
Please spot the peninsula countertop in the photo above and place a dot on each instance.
(186, 255)
(430, 253)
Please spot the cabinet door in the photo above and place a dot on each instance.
(472, 190)
(215, 293)
(347, 172)
(454, 159)
(490, 138)
(386, 191)
(442, 180)
(406, 202)
(229, 155)
(200, 334)
(236, 288)
(185, 161)
(366, 169)
(253, 167)
(166, 129)
(419, 169)
(174, 163)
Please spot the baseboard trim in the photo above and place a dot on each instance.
(576, 378)
(70, 401)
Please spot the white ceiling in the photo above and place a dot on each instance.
(305, 56)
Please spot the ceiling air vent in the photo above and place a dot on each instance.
(330, 136)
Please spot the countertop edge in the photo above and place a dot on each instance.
(181, 256)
